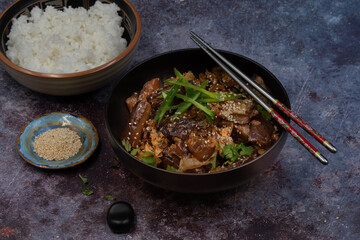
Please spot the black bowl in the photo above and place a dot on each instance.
(162, 66)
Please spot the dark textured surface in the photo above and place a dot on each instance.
(311, 46)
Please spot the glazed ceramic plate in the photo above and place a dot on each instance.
(84, 128)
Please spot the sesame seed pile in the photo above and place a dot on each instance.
(57, 144)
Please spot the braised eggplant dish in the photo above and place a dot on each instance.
(197, 124)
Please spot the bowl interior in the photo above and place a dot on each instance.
(24, 7)
(162, 66)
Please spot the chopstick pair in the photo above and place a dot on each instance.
(231, 70)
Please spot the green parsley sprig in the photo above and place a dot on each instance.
(126, 145)
(110, 198)
(84, 179)
(149, 158)
(117, 164)
(128, 148)
(86, 191)
(172, 169)
(234, 152)
(213, 163)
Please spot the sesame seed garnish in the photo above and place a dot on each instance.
(57, 144)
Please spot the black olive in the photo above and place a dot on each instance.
(120, 217)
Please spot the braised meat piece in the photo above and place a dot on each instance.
(242, 132)
(261, 132)
(222, 132)
(227, 80)
(201, 145)
(239, 111)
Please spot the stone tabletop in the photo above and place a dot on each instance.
(312, 47)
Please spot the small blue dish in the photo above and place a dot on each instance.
(43, 123)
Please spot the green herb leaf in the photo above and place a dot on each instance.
(245, 151)
(134, 151)
(86, 191)
(263, 112)
(230, 152)
(83, 179)
(126, 145)
(149, 158)
(170, 168)
(116, 165)
(110, 198)
(213, 163)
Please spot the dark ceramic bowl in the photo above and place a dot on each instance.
(70, 83)
(162, 66)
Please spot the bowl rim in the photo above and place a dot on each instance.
(86, 156)
(283, 134)
(102, 67)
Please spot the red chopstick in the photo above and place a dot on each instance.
(226, 65)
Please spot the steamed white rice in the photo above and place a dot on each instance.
(68, 41)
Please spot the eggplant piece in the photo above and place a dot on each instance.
(172, 156)
(259, 80)
(148, 88)
(169, 161)
(131, 101)
(135, 126)
(181, 128)
(140, 111)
